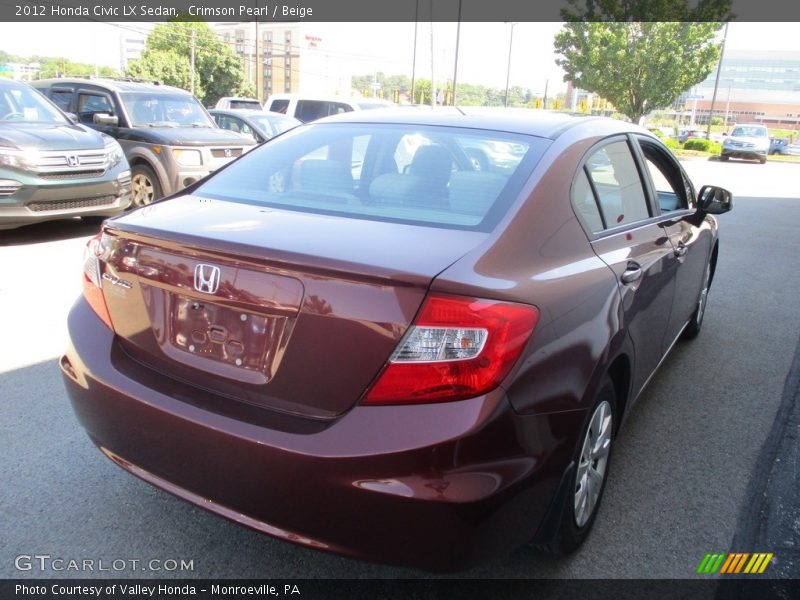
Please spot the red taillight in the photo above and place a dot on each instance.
(456, 348)
(92, 282)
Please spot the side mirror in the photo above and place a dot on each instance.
(105, 119)
(714, 200)
(73, 118)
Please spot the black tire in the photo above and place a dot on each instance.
(145, 187)
(724, 157)
(575, 524)
(692, 330)
(763, 160)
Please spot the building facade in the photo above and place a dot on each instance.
(284, 58)
(754, 87)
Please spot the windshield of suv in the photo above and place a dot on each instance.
(19, 103)
(749, 131)
(148, 109)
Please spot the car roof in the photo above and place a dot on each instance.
(119, 85)
(535, 122)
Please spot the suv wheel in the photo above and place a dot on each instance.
(144, 186)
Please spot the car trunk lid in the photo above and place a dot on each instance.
(286, 310)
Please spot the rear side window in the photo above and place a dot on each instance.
(279, 106)
(617, 185)
(311, 110)
(62, 99)
(412, 174)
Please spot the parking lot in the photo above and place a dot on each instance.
(682, 464)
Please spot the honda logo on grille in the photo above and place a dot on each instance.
(206, 278)
(73, 160)
(228, 153)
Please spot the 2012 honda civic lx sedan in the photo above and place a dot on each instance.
(360, 339)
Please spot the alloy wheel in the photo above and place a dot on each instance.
(142, 189)
(593, 461)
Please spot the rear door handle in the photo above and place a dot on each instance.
(681, 249)
(632, 273)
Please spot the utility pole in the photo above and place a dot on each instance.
(191, 73)
(716, 82)
(414, 60)
(259, 68)
(544, 102)
(433, 74)
(508, 68)
(455, 65)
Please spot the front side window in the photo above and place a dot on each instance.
(91, 104)
(413, 174)
(673, 190)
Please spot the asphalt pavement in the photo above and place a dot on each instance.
(713, 431)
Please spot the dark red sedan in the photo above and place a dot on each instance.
(362, 339)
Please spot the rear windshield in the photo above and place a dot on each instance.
(253, 104)
(442, 176)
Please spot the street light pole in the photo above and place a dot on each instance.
(716, 83)
(455, 64)
(508, 68)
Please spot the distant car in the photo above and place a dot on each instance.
(233, 102)
(692, 134)
(749, 141)
(311, 108)
(53, 168)
(793, 149)
(778, 145)
(261, 125)
(393, 355)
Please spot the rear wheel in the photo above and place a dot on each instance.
(696, 323)
(582, 500)
(144, 186)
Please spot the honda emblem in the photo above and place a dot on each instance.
(73, 160)
(206, 278)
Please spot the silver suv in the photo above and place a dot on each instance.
(168, 137)
(746, 141)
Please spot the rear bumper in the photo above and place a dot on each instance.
(439, 486)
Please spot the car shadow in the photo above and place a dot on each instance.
(48, 231)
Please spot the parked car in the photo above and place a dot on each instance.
(749, 141)
(261, 125)
(778, 145)
(793, 149)
(310, 108)
(692, 134)
(231, 102)
(168, 137)
(397, 358)
(51, 168)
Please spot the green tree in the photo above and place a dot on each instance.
(640, 54)
(637, 66)
(218, 71)
(649, 10)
